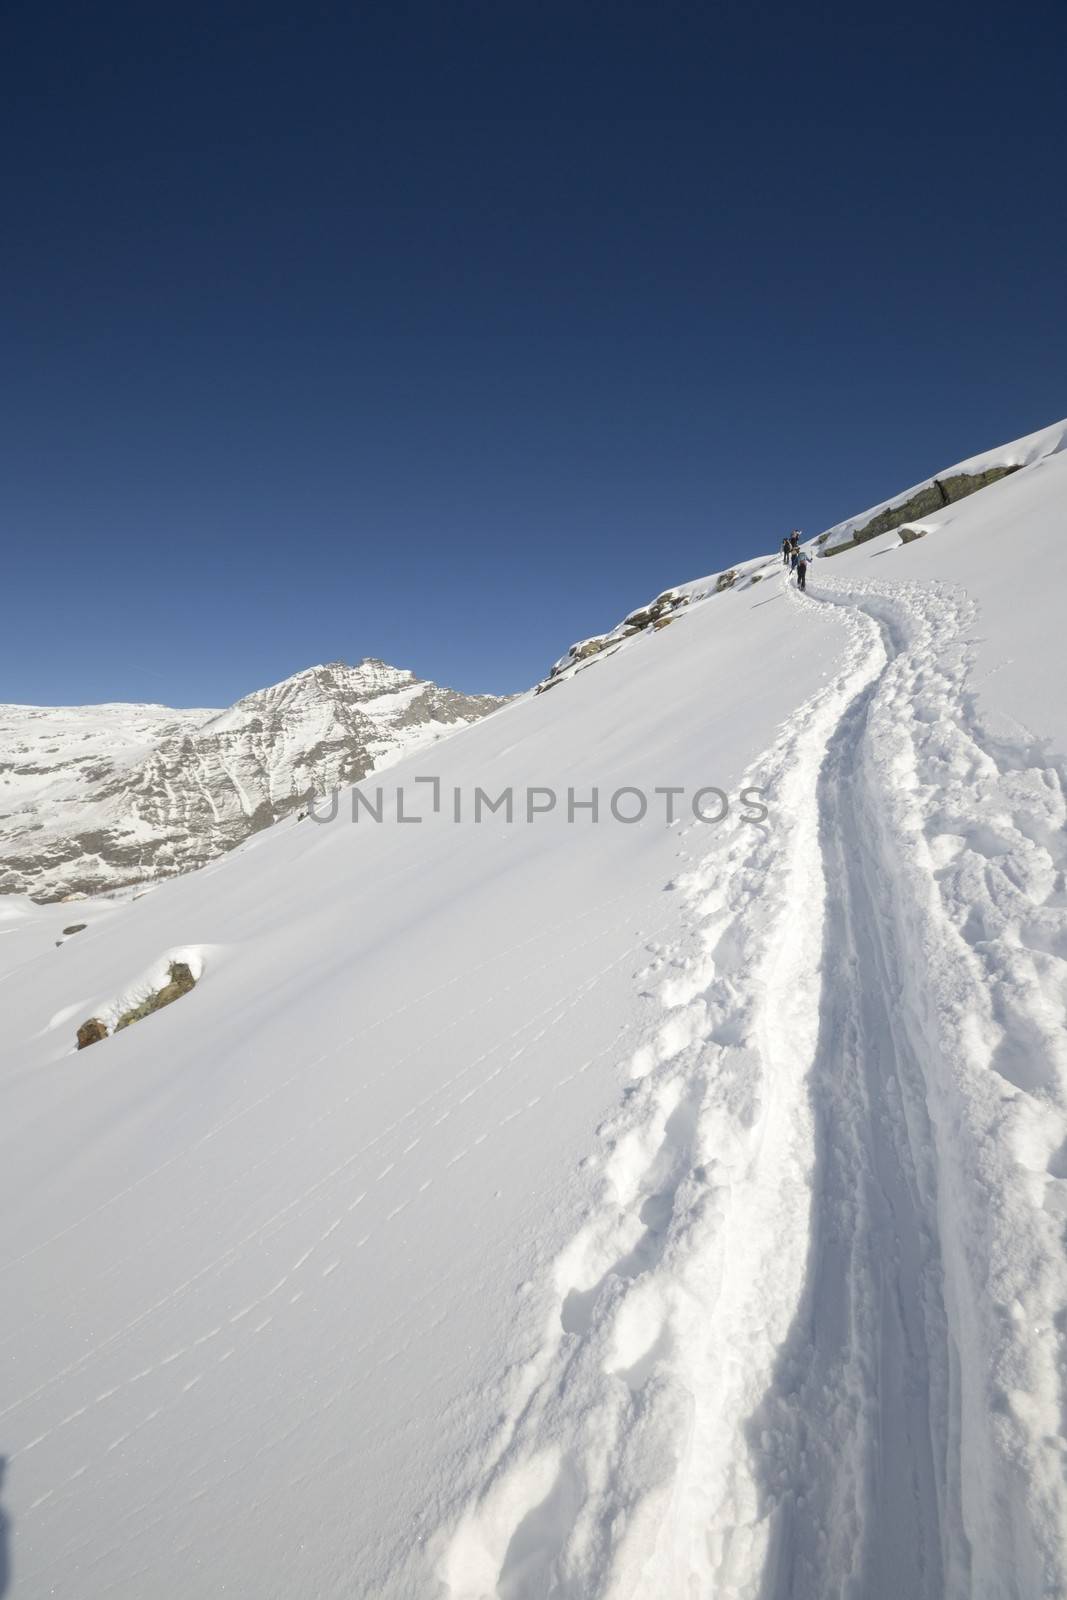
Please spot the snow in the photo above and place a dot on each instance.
(581, 1209)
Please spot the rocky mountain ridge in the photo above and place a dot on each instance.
(94, 798)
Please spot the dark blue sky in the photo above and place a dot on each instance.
(450, 332)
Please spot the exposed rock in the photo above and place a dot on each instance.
(925, 502)
(181, 981)
(669, 600)
(75, 927)
(907, 535)
(640, 619)
(662, 622)
(586, 651)
(960, 484)
(588, 647)
(725, 580)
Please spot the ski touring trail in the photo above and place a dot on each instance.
(808, 1343)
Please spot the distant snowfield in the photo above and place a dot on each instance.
(554, 1209)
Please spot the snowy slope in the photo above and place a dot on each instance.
(552, 1208)
(95, 797)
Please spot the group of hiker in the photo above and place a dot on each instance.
(795, 558)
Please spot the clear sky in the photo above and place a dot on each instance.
(449, 332)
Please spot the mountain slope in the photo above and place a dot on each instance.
(586, 1208)
(78, 814)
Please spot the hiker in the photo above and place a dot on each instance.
(802, 563)
(786, 551)
(794, 548)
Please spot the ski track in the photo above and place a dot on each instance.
(804, 1345)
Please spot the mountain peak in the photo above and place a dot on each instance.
(189, 786)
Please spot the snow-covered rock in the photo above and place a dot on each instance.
(97, 797)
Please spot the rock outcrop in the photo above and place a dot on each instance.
(925, 502)
(655, 615)
(180, 981)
